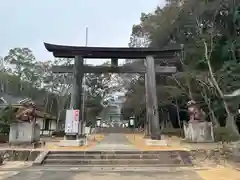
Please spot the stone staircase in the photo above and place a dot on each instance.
(118, 158)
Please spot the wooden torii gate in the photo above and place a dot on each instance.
(78, 69)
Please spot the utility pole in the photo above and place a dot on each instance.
(84, 86)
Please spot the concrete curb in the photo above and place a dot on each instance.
(116, 169)
(232, 166)
(8, 174)
(41, 157)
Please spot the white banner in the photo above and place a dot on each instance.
(72, 122)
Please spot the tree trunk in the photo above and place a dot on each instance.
(58, 119)
(230, 121)
(212, 114)
(146, 129)
(187, 79)
(178, 115)
(46, 104)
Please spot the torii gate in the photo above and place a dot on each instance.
(78, 69)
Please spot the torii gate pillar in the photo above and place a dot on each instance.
(151, 98)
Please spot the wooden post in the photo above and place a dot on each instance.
(114, 62)
(76, 92)
(77, 81)
(78, 78)
(152, 104)
(147, 129)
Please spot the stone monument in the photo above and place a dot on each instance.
(197, 129)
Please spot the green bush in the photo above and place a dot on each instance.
(3, 138)
(224, 134)
(4, 128)
(173, 132)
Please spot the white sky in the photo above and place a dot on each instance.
(29, 23)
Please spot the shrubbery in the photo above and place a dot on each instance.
(224, 134)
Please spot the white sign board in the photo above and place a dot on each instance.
(72, 122)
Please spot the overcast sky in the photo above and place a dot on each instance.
(29, 23)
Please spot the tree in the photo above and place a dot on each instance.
(6, 117)
(58, 84)
(99, 87)
(201, 63)
(24, 61)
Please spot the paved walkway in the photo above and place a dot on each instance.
(113, 142)
(48, 175)
(64, 173)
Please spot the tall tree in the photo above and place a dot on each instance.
(209, 31)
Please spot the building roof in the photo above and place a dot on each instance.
(110, 52)
(18, 103)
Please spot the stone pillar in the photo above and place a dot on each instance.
(152, 105)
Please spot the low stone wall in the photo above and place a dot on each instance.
(24, 132)
(198, 132)
(214, 157)
(19, 155)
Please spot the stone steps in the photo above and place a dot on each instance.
(111, 161)
(108, 156)
(118, 158)
(115, 152)
(115, 168)
(115, 130)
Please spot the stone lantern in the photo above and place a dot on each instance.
(98, 122)
(132, 121)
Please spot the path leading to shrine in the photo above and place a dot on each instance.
(114, 142)
(60, 174)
